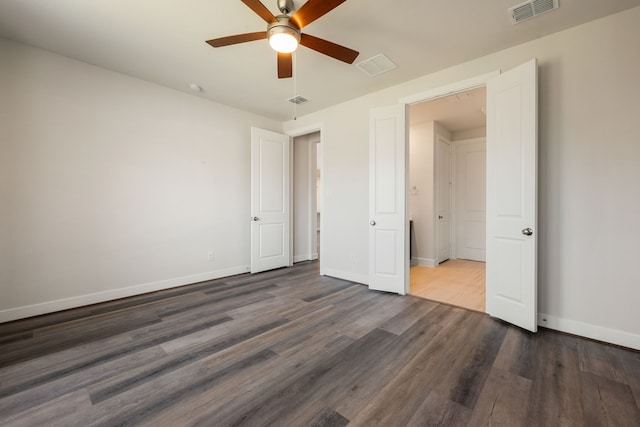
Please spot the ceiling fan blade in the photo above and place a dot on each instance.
(328, 48)
(238, 38)
(285, 65)
(260, 9)
(312, 10)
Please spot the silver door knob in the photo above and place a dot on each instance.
(372, 223)
(527, 232)
(255, 218)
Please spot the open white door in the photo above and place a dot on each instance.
(388, 227)
(270, 200)
(512, 196)
(443, 199)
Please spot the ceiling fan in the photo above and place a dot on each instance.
(283, 32)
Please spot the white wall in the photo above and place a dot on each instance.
(111, 186)
(422, 137)
(589, 203)
(421, 180)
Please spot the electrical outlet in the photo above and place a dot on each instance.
(210, 256)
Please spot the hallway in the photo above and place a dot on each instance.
(457, 282)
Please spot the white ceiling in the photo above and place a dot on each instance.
(163, 41)
(458, 112)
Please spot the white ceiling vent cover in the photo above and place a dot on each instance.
(531, 9)
(298, 100)
(377, 65)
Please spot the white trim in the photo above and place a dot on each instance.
(94, 298)
(449, 89)
(305, 130)
(613, 336)
(306, 257)
(424, 262)
(351, 277)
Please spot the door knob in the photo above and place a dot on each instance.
(527, 231)
(372, 223)
(255, 218)
(440, 217)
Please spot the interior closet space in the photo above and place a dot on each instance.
(447, 199)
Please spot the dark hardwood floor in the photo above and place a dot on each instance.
(292, 348)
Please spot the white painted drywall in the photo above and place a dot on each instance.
(589, 167)
(421, 193)
(112, 186)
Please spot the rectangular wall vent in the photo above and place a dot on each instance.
(298, 100)
(531, 9)
(377, 65)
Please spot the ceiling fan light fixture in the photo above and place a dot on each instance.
(283, 42)
(283, 36)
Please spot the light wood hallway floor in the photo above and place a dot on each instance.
(456, 281)
(292, 348)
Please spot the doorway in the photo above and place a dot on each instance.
(511, 192)
(307, 166)
(447, 193)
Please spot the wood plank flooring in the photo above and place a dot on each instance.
(456, 281)
(292, 348)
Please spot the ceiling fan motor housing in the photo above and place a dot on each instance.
(283, 25)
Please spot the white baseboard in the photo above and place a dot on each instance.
(613, 336)
(307, 257)
(112, 294)
(352, 277)
(424, 262)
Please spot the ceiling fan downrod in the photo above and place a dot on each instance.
(285, 6)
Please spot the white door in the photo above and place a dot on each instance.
(443, 195)
(388, 226)
(512, 196)
(270, 200)
(470, 165)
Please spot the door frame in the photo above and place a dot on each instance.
(293, 133)
(441, 92)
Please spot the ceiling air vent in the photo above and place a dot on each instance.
(298, 100)
(377, 65)
(531, 9)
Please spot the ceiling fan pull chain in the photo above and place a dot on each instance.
(295, 84)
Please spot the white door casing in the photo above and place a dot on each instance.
(388, 226)
(512, 196)
(470, 172)
(443, 198)
(270, 200)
